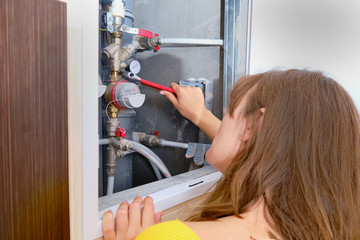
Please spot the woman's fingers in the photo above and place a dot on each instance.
(122, 220)
(189, 101)
(158, 216)
(130, 220)
(135, 217)
(108, 226)
(170, 96)
(148, 216)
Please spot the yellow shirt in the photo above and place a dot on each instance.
(174, 230)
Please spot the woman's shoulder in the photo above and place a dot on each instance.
(227, 228)
(223, 228)
(168, 230)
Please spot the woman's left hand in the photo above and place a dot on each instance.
(130, 220)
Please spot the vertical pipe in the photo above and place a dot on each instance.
(124, 167)
(128, 21)
(110, 185)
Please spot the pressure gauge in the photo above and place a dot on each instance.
(133, 66)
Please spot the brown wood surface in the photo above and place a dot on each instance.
(34, 197)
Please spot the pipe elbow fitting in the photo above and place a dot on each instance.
(124, 144)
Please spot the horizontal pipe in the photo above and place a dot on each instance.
(104, 141)
(190, 42)
(166, 143)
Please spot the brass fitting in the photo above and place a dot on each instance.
(117, 34)
(114, 78)
(113, 111)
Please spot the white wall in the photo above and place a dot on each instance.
(314, 34)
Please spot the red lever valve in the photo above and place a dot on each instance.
(145, 33)
(121, 132)
(157, 48)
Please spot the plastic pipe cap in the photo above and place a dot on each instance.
(118, 9)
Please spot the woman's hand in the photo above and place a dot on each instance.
(129, 219)
(189, 101)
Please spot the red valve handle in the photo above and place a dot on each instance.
(121, 132)
(145, 33)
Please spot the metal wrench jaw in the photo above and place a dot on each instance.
(133, 76)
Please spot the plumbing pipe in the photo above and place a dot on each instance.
(111, 159)
(110, 185)
(151, 156)
(112, 156)
(111, 164)
(166, 143)
(104, 141)
(190, 42)
(154, 141)
(115, 61)
(156, 170)
(126, 52)
(125, 144)
(111, 179)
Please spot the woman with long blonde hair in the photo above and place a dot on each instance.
(289, 151)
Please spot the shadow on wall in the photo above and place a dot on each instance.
(158, 114)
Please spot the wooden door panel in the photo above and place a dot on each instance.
(34, 201)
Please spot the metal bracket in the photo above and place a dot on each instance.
(237, 26)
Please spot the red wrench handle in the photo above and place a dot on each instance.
(156, 86)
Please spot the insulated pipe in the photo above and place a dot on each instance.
(156, 170)
(111, 179)
(112, 155)
(110, 185)
(190, 42)
(150, 155)
(166, 143)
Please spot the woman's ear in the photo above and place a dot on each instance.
(250, 124)
(260, 118)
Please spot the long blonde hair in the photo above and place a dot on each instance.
(304, 161)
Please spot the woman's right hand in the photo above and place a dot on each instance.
(189, 101)
(130, 220)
